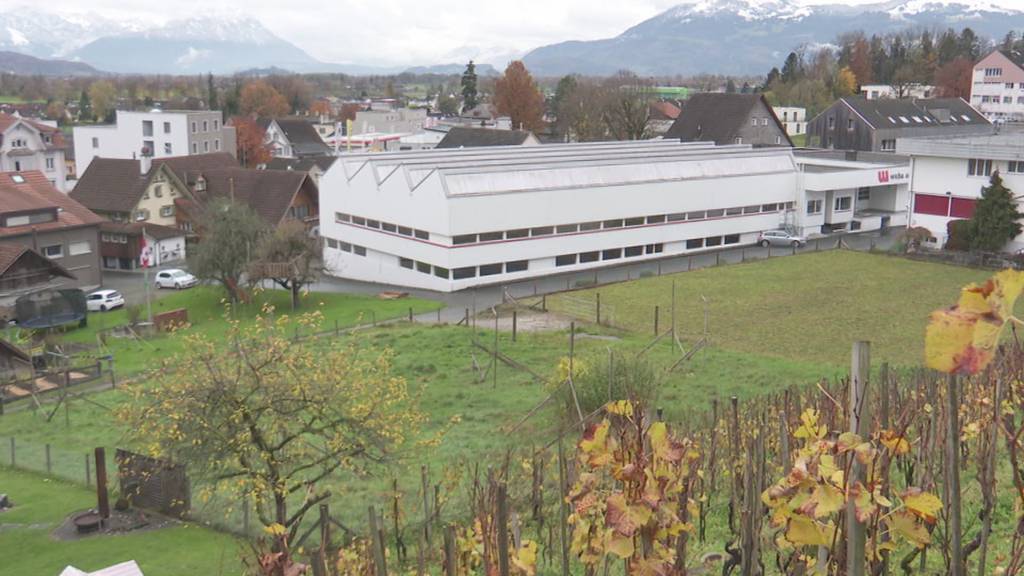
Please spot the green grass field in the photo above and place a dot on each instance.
(41, 504)
(809, 307)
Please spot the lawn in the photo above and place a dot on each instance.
(207, 310)
(41, 504)
(809, 307)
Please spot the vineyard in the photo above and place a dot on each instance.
(881, 472)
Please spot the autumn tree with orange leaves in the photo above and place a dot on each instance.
(252, 149)
(516, 95)
(953, 80)
(258, 98)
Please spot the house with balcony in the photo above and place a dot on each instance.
(28, 144)
(997, 88)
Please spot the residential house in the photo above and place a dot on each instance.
(315, 166)
(877, 91)
(15, 363)
(35, 215)
(292, 138)
(661, 116)
(997, 88)
(142, 190)
(157, 133)
(794, 119)
(856, 123)
(27, 144)
(729, 119)
(26, 271)
(465, 137)
(949, 174)
(276, 195)
(121, 244)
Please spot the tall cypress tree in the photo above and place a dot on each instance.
(470, 97)
(996, 219)
(211, 93)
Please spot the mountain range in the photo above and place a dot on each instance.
(739, 37)
(735, 37)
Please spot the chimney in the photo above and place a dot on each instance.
(145, 163)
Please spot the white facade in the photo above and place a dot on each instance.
(997, 88)
(456, 218)
(27, 147)
(948, 175)
(397, 120)
(162, 133)
(879, 91)
(794, 119)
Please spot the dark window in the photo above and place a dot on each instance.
(490, 269)
(332, 243)
(733, 211)
(634, 221)
(340, 217)
(611, 254)
(373, 224)
(359, 250)
(345, 246)
(423, 267)
(542, 231)
(519, 233)
(863, 194)
(770, 208)
(567, 228)
(589, 257)
(464, 239)
(655, 248)
(612, 224)
(422, 234)
(694, 243)
(463, 273)
(388, 227)
(441, 272)
(634, 251)
(713, 241)
(716, 213)
(492, 236)
(405, 263)
(656, 219)
(751, 209)
(732, 239)
(678, 216)
(405, 231)
(588, 226)
(359, 220)
(565, 260)
(517, 266)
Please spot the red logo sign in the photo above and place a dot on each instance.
(883, 176)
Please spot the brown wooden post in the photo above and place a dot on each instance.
(410, 313)
(655, 320)
(380, 568)
(325, 539)
(515, 324)
(13, 459)
(562, 520)
(451, 559)
(425, 482)
(49, 466)
(102, 498)
(544, 302)
(952, 462)
(598, 308)
(501, 517)
(860, 424)
(467, 317)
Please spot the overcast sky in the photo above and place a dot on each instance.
(408, 32)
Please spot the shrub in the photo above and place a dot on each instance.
(599, 378)
(958, 235)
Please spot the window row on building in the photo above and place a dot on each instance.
(343, 218)
(112, 238)
(609, 254)
(346, 246)
(982, 167)
(465, 271)
(54, 251)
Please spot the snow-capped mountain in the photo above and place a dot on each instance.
(49, 36)
(749, 36)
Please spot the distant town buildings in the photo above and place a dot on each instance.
(856, 123)
(32, 144)
(156, 133)
(997, 88)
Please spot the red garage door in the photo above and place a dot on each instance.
(931, 204)
(962, 207)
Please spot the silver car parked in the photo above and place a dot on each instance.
(780, 238)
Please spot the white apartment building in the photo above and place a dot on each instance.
(450, 219)
(30, 144)
(997, 88)
(407, 120)
(883, 91)
(793, 119)
(947, 175)
(157, 133)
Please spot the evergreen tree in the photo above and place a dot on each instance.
(730, 86)
(996, 217)
(84, 107)
(470, 97)
(773, 75)
(211, 93)
(791, 69)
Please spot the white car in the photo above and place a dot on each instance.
(175, 278)
(103, 300)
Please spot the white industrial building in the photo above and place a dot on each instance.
(947, 175)
(160, 133)
(451, 219)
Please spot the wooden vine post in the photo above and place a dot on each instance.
(952, 462)
(860, 424)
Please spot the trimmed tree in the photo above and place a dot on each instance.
(996, 218)
(229, 236)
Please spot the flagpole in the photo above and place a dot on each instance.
(145, 271)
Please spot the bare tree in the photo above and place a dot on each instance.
(627, 106)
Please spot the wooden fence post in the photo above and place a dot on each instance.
(410, 313)
(49, 465)
(88, 471)
(562, 520)
(425, 481)
(380, 568)
(325, 539)
(598, 308)
(501, 517)
(451, 560)
(515, 324)
(655, 320)
(102, 497)
(245, 514)
(860, 424)
(13, 459)
(952, 461)
(544, 302)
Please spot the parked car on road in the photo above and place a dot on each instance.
(780, 238)
(175, 278)
(103, 300)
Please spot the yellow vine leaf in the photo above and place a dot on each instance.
(905, 524)
(894, 442)
(275, 529)
(621, 546)
(962, 339)
(924, 505)
(806, 532)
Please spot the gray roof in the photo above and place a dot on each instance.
(302, 136)
(888, 113)
(301, 164)
(462, 137)
(715, 117)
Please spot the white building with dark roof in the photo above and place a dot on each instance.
(450, 219)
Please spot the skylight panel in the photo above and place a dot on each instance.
(917, 119)
(891, 119)
(904, 119)
(965, 117)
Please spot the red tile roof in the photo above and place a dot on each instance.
(35, 193)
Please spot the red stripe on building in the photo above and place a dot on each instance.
(962, 207)
(931, 204)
